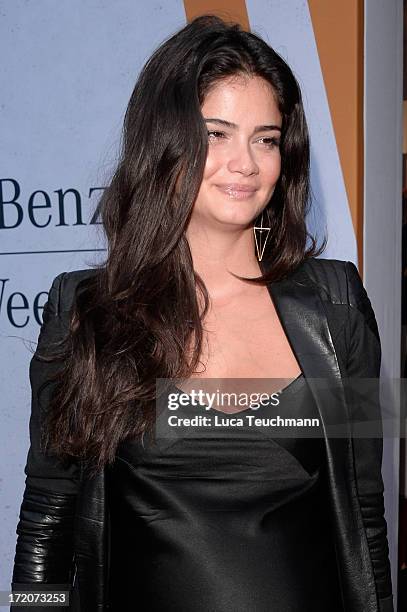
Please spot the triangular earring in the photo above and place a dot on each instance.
(260, 238)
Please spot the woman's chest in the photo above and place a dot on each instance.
(246, 340)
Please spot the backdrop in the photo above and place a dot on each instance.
(67, 73)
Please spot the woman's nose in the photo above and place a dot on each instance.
(242, 160)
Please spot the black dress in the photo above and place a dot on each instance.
(227, 520)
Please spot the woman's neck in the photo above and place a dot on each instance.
(216, 255)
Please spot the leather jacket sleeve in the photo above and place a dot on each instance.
(44, 548)
(363, 361)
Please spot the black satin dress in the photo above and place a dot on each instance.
(231, 520)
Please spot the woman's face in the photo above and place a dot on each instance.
(243, 161)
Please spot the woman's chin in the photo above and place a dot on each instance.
(235, 217)
(232, 222)
(218, 216)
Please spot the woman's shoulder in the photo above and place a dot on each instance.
(65, 287)
(338, 280)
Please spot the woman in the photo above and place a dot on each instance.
(208, 276)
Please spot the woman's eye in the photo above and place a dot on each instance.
(215, 134)
(270, 142)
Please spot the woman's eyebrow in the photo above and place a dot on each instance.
(229, 124)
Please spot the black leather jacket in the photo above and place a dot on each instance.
(63, 531)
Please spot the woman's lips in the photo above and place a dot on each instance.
(236, 191)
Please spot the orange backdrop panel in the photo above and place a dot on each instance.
(230, 10)
(338, 28)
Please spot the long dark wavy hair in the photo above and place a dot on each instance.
(137, 317)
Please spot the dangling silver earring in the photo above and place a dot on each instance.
(261, 236)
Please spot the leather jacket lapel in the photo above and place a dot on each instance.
(302, 314)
